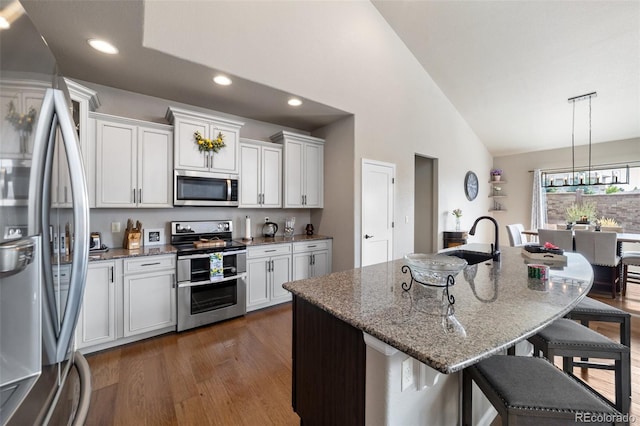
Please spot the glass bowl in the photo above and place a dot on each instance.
(433, 269)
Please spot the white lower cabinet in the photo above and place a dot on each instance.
(127, 300)
(97, 320)
(311, 259)
(149, 301)
(268, 267)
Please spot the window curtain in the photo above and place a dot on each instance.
(538, 202)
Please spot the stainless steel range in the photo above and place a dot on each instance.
(211, 272)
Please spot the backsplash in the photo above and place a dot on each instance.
(101, 219)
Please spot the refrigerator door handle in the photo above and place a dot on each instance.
(53, 113)
(80, 198)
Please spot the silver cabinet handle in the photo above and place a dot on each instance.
(273, 266)
(65, 193)
(140, 195)
(134, 196)
(111, 270)
(366, 236)
(150, 264)
(314, 259)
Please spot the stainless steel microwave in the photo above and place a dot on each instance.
(191, 188)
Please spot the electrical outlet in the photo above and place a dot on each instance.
(115, 226)
(407, 374)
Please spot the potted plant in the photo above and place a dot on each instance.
(496, 174)
(584, 212)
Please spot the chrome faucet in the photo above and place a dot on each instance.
(495, 248)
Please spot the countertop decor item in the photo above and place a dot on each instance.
(269, 229)
(458, 214)
(289, 227)
(496, 174)
(471, 185)
(206, 144)
(309, 229)
(247, 229)
(153, 237)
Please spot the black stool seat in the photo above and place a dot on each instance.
(568, 339)
(593, 310)
(528, 390)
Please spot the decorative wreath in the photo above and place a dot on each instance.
(205, 144)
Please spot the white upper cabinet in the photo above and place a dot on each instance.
(260, 174)
(303, 170)
(20, 103)
(133, 163)
(187, 156)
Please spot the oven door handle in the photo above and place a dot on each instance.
(206, 255)
(208, 282)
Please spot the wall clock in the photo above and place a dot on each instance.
(471, 185)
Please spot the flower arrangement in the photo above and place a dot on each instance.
(206, 144)
(457, 213)
(21, 122)
(585, 212)
(496, 172)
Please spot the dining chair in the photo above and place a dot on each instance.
(600, 250)
(558, 237)
(515, 235)
(611, 229)
(630, 258)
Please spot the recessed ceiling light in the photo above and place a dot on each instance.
(294, 102)
(103, 46)
(222, 80)
(4, 24)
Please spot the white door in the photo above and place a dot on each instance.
(97, 320)
(258, 283)
(116, 164)
(187, 155)
(249, 175)
(313, 175)
(149, 302)
(281, 274)
(320, 263)
(377, 211)
(154, 168)
(271, 177)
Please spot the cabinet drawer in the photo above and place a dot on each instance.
(149, 263)
(311, 246)
(268, 250)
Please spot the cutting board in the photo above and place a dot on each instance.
(208, 243)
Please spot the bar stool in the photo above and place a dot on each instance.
(528, 390)
(568, 339)
(593, 310)
(629, 258)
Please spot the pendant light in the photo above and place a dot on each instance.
(573, 126)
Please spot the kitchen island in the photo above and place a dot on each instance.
(365, 350)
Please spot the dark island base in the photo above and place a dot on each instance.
(329, 358)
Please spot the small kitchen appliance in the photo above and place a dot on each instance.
(269, 229)
(95, 241)
(205, 297)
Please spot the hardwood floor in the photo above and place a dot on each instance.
(239, 372)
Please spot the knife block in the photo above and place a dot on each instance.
(132, 239)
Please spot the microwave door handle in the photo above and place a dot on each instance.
(228, 189)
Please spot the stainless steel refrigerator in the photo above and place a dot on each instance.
(43, 247)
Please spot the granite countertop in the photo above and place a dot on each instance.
(495, 306)
(118, 253)
(258, 241)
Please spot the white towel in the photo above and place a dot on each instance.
(215, 266)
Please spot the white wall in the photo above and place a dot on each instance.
(345, 55)
(520, 181)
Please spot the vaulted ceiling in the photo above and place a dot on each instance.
(508, 67)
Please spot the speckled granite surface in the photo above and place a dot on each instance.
(118, 253)
(495, 306)
(258, 241)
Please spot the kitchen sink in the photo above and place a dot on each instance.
(472, 257)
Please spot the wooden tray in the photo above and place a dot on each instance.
(208, 243)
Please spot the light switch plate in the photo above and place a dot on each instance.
(407, 374)
(115, 226)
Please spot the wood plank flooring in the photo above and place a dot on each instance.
(239, 373)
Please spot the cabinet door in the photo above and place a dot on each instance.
(257, 283)
(149, 302)
(281, 274)
(250, 185)
(97, 320)
(15, 145)
(320, 263)
(271, 174)
(186, 153)
(301, 266)
(293, 185)
(225, 160)
(314, 175)
(154, 168)
(116, 164)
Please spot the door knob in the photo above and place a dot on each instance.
(366, 236)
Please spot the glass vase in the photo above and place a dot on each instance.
(457, 223)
